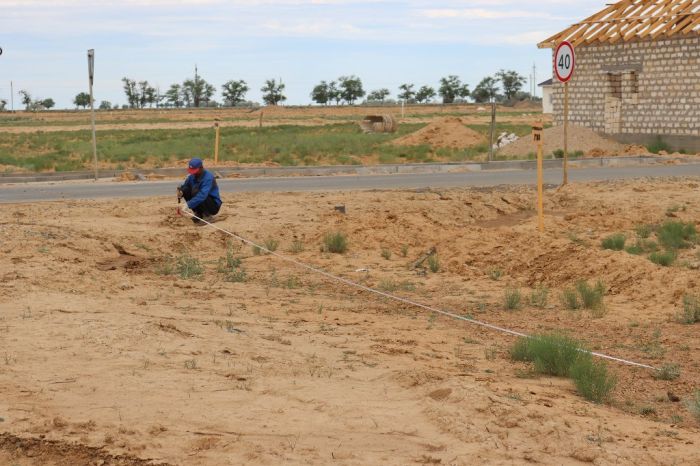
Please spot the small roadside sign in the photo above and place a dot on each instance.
(564, 61)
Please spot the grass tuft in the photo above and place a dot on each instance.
(386, 254)
(691, 310)
(336, 243)
(664, 259)
(694, 405)
(644, 231)
(434, 263)
(296, 247)
(677, 235)
(539, 297)
(230, 268)
(512, 299)
(614, 242)
(592, 379)
(271, 244)
(185, 266)
(552, 354)
(591, 296)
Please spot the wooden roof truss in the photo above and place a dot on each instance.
(629, 20)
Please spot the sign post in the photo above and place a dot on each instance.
(91, 72)
(564, 65)
(217, 128)
(539, 142)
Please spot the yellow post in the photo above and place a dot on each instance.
(538, 139)
(566, 134)
(216, 144)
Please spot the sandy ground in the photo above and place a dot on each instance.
(271, 116)
(105, 361)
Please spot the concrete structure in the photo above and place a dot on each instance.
(637, 73)
(547, 96)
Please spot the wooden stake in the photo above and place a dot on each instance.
(261, 118)
(538, 138)
(492, 131)
(217, 143)
(566, 134)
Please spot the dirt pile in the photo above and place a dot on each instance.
(445, 132)
(581, 139)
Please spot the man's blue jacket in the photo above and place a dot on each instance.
(202, 187)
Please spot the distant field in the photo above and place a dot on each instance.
(290, 137)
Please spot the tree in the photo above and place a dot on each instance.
(132, 94)
(234, 92)
(273, 92)
(47, 103)
(486, 90)
(196, 91)
(334, 94)
(425, 94)
(106, 105)
(174, 96)
(82, 100)
(379, 95)
(3, 104)
(26, 99)
(511, 82)
(320, 93)
(351, 88)
(451, 88)
(407, 93)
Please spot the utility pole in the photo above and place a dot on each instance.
(196, 87)
(12, 97)
(534, 80)
(91, 71)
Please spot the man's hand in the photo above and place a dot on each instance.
(180, 194)
(183, 209)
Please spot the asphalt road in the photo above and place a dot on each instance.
(99, 190)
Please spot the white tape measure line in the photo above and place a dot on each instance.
(400, 299)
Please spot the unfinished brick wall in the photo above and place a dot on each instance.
(644, 88)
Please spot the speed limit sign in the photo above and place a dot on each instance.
(564, 62)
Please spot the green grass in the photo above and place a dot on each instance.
(512, 299)
(434, 263)
(185, 266)
(539, 297)
(552, 354)
(658, 145)
(271, 244)
(561, 356)
(585, 296)
(336, 243)
(614, 242)
(644, 231)
(296, 247)
(677, 235)
(592, 379)
(231, 269)
(664, 259)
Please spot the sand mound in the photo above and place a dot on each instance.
(445, 132)
(580, 139)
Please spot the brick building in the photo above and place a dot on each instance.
(637, 72)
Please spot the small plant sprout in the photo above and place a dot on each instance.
(296, 247)
(495, 274)
(386, 254)
(404, 250)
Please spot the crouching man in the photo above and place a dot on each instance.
(200, 192)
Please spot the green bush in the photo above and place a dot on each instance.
(591, 296)
(336, 243)
(552, 354)
(230, 268)
(570, 299)
(664, 259)
(658, 145)
(512, 299)
(592, 379)
(677, 235)
(636, 250)
(614, 242)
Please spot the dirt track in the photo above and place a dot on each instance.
(101, 350)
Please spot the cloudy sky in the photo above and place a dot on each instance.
(385, 42)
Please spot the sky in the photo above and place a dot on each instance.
(384, 42)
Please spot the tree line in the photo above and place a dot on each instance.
(504, 86)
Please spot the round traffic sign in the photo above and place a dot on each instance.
(564, 61)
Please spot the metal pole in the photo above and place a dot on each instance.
(12, 97)
(493, 130)
(566, 134)
(538, 136)
(91, 71)
(216, 144)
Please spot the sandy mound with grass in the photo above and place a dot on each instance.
(581, 139)
(445, 132)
